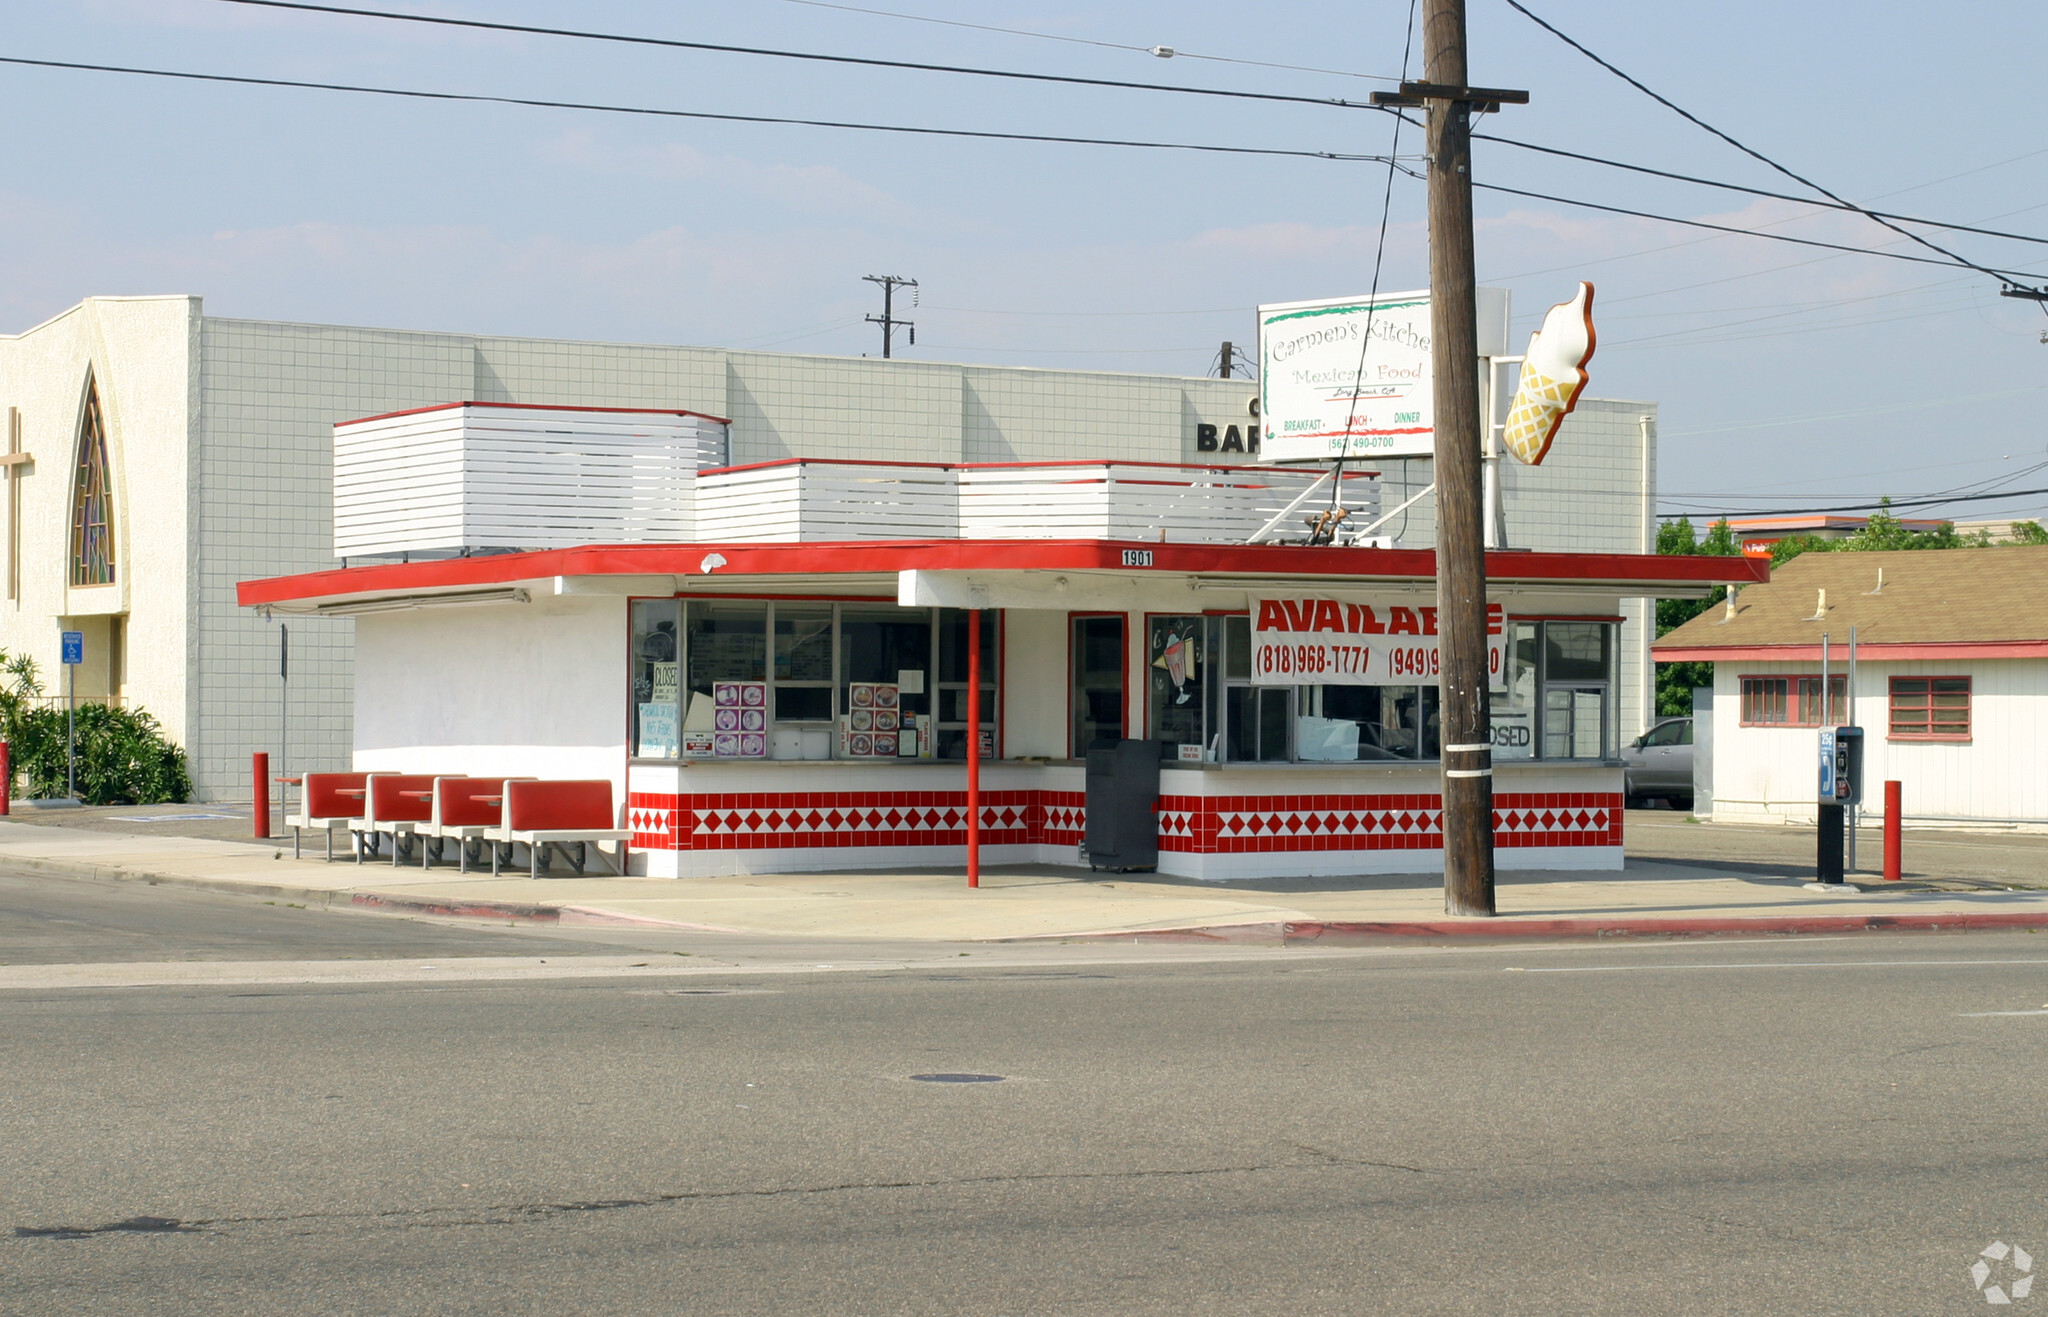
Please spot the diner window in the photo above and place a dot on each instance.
(1513, 711)
(952, 683)
(725, 656)
(880, 646)
(1930, 708)
(1554, 697)
(1794, 701)
(1578, 666)
(1176, 676)
(762, 679)
(1256, 719)
(1096, 690)
(803, 664)
(656, 679)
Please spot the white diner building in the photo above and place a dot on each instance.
(770, 661)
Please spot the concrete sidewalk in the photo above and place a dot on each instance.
(1651, 897)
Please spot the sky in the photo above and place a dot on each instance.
(1786, 376)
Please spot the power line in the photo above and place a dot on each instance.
(913, 130)
(1931, 500)
(1163, 52)
(2001, 275)
(813, 56)
(680, 114)
(1757, 192)
(1694, 119)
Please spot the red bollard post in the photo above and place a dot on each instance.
(1893, 826)
(6, 779)
(259, 806)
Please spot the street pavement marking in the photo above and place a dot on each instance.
(1774, 964)
(1985, 1015)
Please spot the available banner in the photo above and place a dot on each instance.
(1316, 641)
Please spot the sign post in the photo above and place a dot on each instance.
(74, 654)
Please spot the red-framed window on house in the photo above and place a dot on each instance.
(1930, 709)
(1793, 701)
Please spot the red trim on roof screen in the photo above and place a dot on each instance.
(540, 407)
(877, 557)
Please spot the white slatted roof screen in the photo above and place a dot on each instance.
(494, 475)
(802, 500)
(1139, 501)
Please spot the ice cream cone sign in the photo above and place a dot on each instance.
(1553, 376)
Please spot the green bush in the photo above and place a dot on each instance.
(123, 755)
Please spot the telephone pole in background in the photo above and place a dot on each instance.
(887, 320)
(1465, 721)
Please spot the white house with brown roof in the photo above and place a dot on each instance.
(1950, 684)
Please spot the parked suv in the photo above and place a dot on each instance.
(1658, 764)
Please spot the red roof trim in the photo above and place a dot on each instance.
(1942, 649)
(539, 407)
(1002, 466)
(1630, 572)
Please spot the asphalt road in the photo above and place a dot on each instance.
(1785, 1126)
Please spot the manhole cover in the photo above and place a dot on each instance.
(958, 1079)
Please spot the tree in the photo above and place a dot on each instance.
(1675, 681)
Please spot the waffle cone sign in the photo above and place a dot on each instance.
(1553, 376)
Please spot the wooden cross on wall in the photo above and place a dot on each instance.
(15, 461)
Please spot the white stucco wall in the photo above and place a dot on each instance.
(140, 353)
(530, 690)
(1770, 774)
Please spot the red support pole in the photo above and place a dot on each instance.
(6, 779)
(974, 747)
(1893, 826)
(259, 799)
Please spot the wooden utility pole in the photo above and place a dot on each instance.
(1465, 722)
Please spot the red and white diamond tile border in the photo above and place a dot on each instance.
(1197, 825)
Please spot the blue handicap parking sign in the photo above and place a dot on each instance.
(74, 648)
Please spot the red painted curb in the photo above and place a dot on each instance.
(1305, 932)
(536, 914)
(1681, 926)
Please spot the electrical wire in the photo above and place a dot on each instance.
(1174, 51)
(813, 56)
(1372, 299)
(680, 114)
(1759, 156)
(1757, 192)
(2004, 276)
(914, 130)
(1884, 504)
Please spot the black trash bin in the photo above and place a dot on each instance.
(1123, 807)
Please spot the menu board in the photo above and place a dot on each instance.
(739, 719)
(874, 720)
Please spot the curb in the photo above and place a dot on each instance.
(1512, 928)
(115, 874)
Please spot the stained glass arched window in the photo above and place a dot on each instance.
(92, 500)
